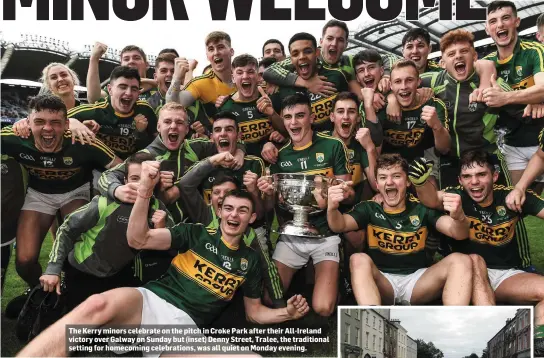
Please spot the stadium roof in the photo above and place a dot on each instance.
(387, 36)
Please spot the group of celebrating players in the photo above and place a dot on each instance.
(186, 202)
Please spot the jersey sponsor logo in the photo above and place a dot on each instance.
(404, 138)
(243, 264)
(524, 83)
(286, 164)
(26, 157)
(328, 172)
(322, 108)
(501, 210)
(358, 175)
(414, 220)
(320, 157)
(207, 275)
(118, 144)
(396, 242)
(211, 248)
(494, 235)
(255, 131)
(68, 160)
(52, 173)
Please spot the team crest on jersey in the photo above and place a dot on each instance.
(519, 70)
(351, 154)
(243, 264)
(414, 220)
(473, 106)
(320, 157)
(68, 160)
(501, 210)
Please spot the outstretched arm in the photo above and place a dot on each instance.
(256, 312)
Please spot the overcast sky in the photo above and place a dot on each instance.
(458, 332)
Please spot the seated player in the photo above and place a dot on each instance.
(101, 226)
(126, 123)
(181, 296)
(493, 240)
(394, 270)
(314, 153)
(208, 214)
(59, 175)
(274, 49)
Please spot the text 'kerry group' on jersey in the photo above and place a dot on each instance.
(300, 9)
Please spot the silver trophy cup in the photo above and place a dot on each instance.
(297, 194)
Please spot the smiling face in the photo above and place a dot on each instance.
(48, 129)
(369, 74)
(478, 180)
(224, 135)
(345, 117)
(404, 84)
(246, 79)
(298, 121)
(124, 93)
(418, 51)
(273, 49)
(458, 59)
(502, 26)
(392, 183)
(333, 44)
(60, 80)
(304, 58)
(173, 127)
(218, 194)
(163, 75)
(236, 215)
(219, 54)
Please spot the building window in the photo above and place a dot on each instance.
(380, 325)
(380, 346)
(374, 322)
(366, 341)
(357, 343)
(346, 334)
(366, 317)
(374, 342)
(358, 314)
(347, 312)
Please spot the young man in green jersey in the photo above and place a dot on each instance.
(212, 265)
(492, 242)
(164, 72)
(274, 48)
(313, 153)
(520, 64)
(59, 175)
(100, 225)
(395, 268)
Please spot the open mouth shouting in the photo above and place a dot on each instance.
(304, 69)
(477, 193)
(126, 104)
(460, 68)
(47, 140)
(346, 128)
(502, 35)
(233, 224)
(224, 143)
(295, 131)
(391, 193)
(369, 82)
(167, 83)
(172, 140)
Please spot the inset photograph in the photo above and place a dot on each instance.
(435, 332)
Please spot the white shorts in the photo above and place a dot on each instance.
(51, 203)
(496, 277)
(517, 158)
(295, 251)
(403, 285)
(430, 154)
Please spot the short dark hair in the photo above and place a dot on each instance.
(169, 50)
(274, 41)
(390, 160)
(303, 36)
(367, 56)
(137, 158)
(223, 115)
(217, 36)
(480, 157)
(294, 99)
(540, 21)
(336, 23)
(165, 57)
(133, 48)
(244, 60)
(124, 71)
(222, 178)
(241, 194)
(499, 4)
(267, 62)
(48, 102)
(345, 96)
(414, 34)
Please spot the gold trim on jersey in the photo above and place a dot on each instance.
(303, 147)
(87, 107)
(494, 235)
(229, 246)
(396, 242)
(207, 275)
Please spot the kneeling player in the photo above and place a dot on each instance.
(394, 270)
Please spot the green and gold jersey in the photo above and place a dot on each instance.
(156, 100)
(493, 231)
(324, 155)
(202, 280)
(518, 70)
(412, 136)
(251, 163)
(321, 106)
(254, 126)
(118, 131)
(396, 240)
(60, 172)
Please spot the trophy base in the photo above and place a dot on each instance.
(304, 229)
